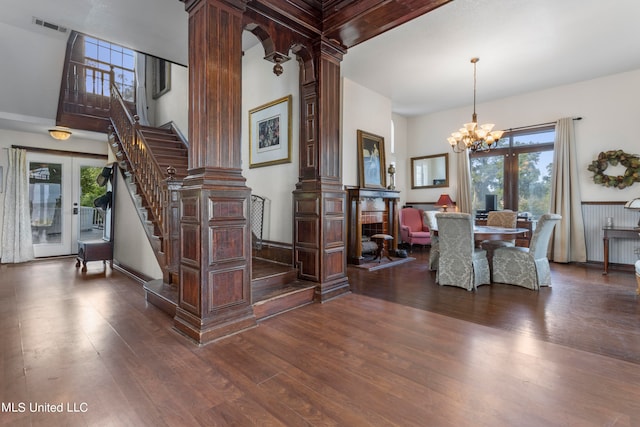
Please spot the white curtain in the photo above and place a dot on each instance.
(568, 242)
(141, 90)
(463, 193)
(17, 245)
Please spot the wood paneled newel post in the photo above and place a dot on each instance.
(319, 199)
(215, 271)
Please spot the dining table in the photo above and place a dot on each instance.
(490, 232)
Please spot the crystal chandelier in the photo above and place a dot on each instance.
(472, 136)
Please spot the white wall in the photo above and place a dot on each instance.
(608, 106)
(363, 109)
(277, 182)
(36, 57)
(400, 157)
(131, 247)
(173, 105)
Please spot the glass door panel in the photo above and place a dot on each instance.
(91, 219)
(61, 194)
(49, 194)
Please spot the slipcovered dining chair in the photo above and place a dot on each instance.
(434, 252)
(527, 267)
(505, 218)
(460, 262)
(412, 228)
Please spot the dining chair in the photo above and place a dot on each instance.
(505, 218)
(460, 263)
(434, 252)
(527, 267)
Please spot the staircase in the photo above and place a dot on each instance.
(155, 161)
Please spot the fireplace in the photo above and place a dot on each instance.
(370, 211)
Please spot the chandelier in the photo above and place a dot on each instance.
(471, 136)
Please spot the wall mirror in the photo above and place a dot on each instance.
(430, 171)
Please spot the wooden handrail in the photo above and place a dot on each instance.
(152, 181)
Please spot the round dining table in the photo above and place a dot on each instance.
(489, 232)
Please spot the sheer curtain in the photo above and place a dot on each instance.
(17, 245)
(141, 89)
(463, 193)
(568, 242)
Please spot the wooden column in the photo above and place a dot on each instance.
(319, 199)
(215, 267)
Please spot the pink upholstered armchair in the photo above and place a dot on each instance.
(412, 229)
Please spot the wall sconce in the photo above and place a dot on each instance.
(60, 133)
(444, 202)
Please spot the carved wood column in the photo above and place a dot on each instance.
(319, 199)
(215, 268)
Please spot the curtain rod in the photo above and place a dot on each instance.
(537, 126)
(60, 152)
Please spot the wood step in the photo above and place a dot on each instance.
(171, 160)
(265, 284)
(169, 151)
(159, 132)
(155, 142)
(270, 297)
(289, 297)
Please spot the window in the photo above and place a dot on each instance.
(85, 90)
(518, 172)
(103, 55)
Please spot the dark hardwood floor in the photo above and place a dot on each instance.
(398, 351)
(583, 308)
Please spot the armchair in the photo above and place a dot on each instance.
(412, 228)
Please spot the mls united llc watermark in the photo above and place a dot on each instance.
(44, 407)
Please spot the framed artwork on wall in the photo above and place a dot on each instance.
(161, 77)
(270, 133)
(371, 163)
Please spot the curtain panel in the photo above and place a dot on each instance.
(463, 193)
(569, 243)
(17, 245)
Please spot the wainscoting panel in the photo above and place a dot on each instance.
(621, 251)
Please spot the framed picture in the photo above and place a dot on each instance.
(161, 77)
(371, 163)
(270, 133)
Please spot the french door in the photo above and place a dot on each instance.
(61, 191)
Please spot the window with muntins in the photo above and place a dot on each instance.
(103, 55)
(518, 172)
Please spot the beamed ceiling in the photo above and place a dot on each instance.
(347, 22)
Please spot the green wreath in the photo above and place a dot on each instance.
(630, 161)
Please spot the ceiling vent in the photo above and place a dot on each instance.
(51, 26)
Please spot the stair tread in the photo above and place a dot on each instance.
(282, 291)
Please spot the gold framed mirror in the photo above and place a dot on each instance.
(430, 171)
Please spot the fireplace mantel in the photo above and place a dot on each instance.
(371, 211)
